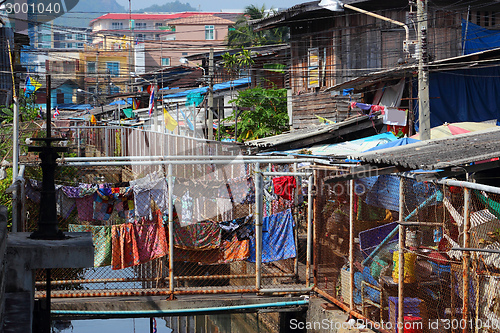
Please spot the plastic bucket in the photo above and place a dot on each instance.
(409, 267)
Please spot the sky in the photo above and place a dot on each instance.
(217, 5)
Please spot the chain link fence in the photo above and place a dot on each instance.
(182, 226)
(404, 254)
(445, 239)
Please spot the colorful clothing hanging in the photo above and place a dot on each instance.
(124, 246)
(104, 203)
(101, 238)
(85, 207)
(284, 185)
(278, 242)
(124, 205)
(201, 236)
(242, 227)
(138, 243)
(154, 189)
(235, 250)
(151, 238)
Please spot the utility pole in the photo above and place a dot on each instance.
(155, 109)
(424, 113)
(210, 128)
(97, 77)
(15, 132)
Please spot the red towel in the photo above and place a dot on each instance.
(284, 185)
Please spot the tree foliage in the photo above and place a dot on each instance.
(236, 61)
(262, 113)
(27, 110)
(6, 198)
(244, 36)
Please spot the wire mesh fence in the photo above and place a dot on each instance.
(399, 252)
(444, 238)
(183, 227)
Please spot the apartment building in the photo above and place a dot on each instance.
(160, 40)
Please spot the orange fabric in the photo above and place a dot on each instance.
(235, 250)
(124, 246)
(232, 250)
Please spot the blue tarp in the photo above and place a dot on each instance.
(203, 90)
(74, 106)
(349, 147)
(119, 102)
(396, 143)
(463, 95)
(383, 191)
(476, 38)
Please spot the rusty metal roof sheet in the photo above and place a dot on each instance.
(442, 153)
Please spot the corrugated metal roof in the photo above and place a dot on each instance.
(202, 90)
(442, 153)
(306, 133)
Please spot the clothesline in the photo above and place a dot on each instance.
(194, 200)
(206, 242)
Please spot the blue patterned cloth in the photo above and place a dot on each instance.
(278, 242)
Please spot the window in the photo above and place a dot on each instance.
(69, 66)
(113, 68)
(157, 36)
(165, 61)
(69, 45)
(79, 45)
(158, 24)
(209, 32)
(91, 67)
(60, 97)
(313, 68)
(140, 25)
(80, 37)
(184, 53)
(116, 25)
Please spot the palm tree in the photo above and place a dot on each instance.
(244, 36)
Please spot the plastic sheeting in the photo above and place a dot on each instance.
(476, 38)
(203, 90)
(350, 147)
(396, 143)
(383, 192)
(463, 95)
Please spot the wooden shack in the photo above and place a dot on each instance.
(328, 48)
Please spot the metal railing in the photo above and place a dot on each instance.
(215, 263)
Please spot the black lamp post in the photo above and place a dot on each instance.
(47, 223)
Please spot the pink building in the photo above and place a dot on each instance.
(160, 40)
